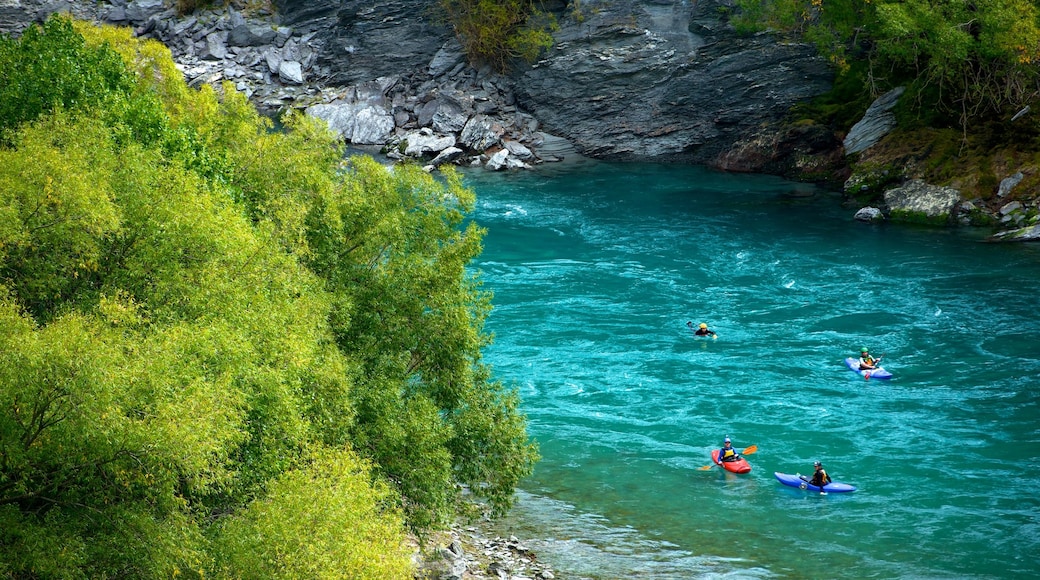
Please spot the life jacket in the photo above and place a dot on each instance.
(727, 454)
(820, 478)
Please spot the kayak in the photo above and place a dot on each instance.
(739, 466)
(877, 373)
(797, 481)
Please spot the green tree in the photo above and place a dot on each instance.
(50, 67)
(967, 61)
(210, 330)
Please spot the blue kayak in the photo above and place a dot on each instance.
(877, 373)
(799, 482)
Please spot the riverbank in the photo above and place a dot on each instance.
(470, 551)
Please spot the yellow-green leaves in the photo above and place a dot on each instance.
(496, 31)
(327, 520)
(205, 323)
(56, 210)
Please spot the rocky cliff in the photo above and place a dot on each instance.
(626, 79)
(666, 79)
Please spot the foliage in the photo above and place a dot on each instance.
(50, 67)
(224, 350)
(346, 519)
(497, 31)
(968, 61)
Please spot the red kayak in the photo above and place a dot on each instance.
(739, 466)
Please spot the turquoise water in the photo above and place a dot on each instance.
(596, 269)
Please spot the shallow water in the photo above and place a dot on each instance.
(596, 269)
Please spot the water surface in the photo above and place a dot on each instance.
(596, 269)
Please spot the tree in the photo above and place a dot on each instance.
(969, 61)
(209, 331)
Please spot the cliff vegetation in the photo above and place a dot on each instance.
(968, 117)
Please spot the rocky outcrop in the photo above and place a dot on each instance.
(626, 79)
(666, 80)
(468, 552)
(364, 40)
(875, 124)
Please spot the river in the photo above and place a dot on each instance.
(596, 269)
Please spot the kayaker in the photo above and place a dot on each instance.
(727, 453)
(866, 362)
(820, 477)
(702, 329)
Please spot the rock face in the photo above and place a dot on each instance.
(665, 79)
(363, 40)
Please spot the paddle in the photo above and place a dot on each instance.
(877, 365)
(747, 451)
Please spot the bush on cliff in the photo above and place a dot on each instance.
(496, 32)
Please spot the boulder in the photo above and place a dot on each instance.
(480, 133)
(448, 155)
(419, 143)
(497, 161)
(290, 72)
(357, 123)
(918, 198)
(1009, 183)
(248, 35)
(869, 214)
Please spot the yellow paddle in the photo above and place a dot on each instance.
(746, 451)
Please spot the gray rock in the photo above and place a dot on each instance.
(274, 60)
(447, 58)
(1009, 183)
(140, 11)
(340, 118)
(497, 161)
(290, 72)
(919, 197)
(869, 214)
(373, 126)
(1009, 208)
(422, 142)
(875, 124)
(215, 47)
(480, 133)
(448, 120)
(249, 35)
(517, 149)
(1026, 234)
(449, 155)
(357, 123)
